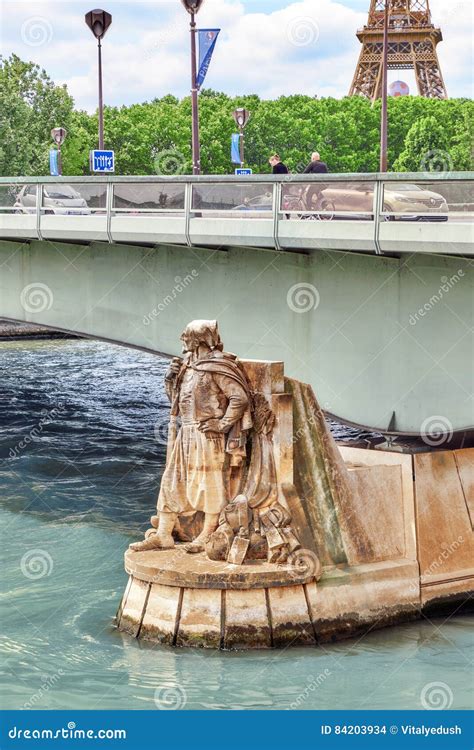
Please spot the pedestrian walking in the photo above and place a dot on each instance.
(316, 166)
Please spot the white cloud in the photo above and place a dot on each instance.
(305, 47)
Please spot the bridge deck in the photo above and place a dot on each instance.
(382, 214)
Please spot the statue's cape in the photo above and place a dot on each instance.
(223, 364)
(219, 363)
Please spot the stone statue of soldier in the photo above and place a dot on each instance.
(210, 396)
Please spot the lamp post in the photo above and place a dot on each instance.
(58, 135)
(241, 117)
(99, 21)
(384, 117)
(192, 7)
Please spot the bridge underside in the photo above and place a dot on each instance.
(383, 341)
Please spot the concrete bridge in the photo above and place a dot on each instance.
(365, 293)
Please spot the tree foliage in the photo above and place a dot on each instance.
(30, 106)
(155, 137)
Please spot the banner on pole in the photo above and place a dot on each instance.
(235, 148)
(53, 162)
(207, 42)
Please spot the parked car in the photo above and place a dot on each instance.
(57, 199)
(262, 202)
(358, 200)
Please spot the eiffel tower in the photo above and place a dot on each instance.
(412, 40)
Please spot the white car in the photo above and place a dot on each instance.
(57, 199)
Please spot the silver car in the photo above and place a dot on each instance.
(57, 199)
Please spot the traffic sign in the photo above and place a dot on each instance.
(102, 161)
(243, 171)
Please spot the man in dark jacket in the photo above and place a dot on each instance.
(316, 166)
(277, 164)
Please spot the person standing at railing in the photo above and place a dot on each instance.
(316, 166)
(277, 165)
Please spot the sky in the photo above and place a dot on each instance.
(267, 47)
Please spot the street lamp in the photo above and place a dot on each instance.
(99, 21)
(192, 7)
(241, 117)
(384, 117)
(58, 135)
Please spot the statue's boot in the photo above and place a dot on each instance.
(211, 521)
(163, 539)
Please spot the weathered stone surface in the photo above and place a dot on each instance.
(351, 600)
(264, 376)
(390, 518)
(291, 621)
(160, 620)
(246, 620)
(134, 607)
(323, 482)
(200, 621)
(177, 568)
(445, 536)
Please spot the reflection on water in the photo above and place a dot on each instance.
(80, 466)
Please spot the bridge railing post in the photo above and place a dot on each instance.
(276, 203)
(39, 204)
(187, 212)
(378, 210)
(109, 201)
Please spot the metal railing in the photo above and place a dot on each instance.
(273, 203)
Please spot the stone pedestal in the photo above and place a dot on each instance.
(177, 599)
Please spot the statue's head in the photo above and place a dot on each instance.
(201, 333)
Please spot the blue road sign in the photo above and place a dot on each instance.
(102, 161)
(243, 171)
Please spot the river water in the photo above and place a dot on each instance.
(82, 450)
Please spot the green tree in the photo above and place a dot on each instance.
(31, 105)
(426, 148)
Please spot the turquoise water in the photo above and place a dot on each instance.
(74, 495)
